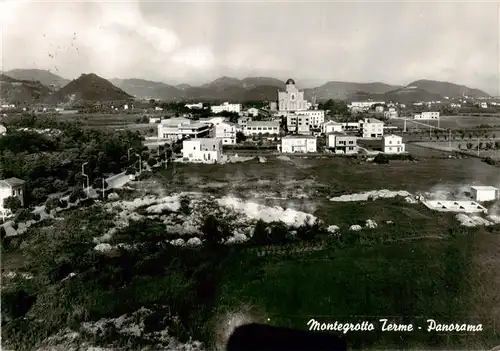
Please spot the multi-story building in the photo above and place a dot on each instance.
(391, 113)
(393, 144)
(11, 187)
(242, 121)
(427, 115)
(226, 106)
(227, 132)
(204, 150)
(178, 128)
(262, 127)
(298, 143)
(342, 144)
(291, 99)
(371, 128)
(304, 121)
(332, 127)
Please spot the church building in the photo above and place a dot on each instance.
(292, 99)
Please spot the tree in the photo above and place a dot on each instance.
(12, 203)
(260, 233)
(51, 204)
(240, 137)
(469, 146)
(215, 232)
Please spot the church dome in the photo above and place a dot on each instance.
(290, 81)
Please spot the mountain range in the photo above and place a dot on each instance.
(43, 86)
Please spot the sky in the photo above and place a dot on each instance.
(313, 42)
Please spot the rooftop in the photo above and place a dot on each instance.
(298, 136)
(12, 181)
(484, 187)
(455, 206)
(372, 120)
(263, 124)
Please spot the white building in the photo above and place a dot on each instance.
(363, 105)
(199, 105)
(371, 128)
(252, 111)
(262, 127)
(298, 143)
(484, 193)
(391, 113)
(483, 105)
(291, 99)
(242, 121)
(227, 132)
(393, 144)
(202, 150)
(342, 144)
(213, 120)
(11, 187)
(3, 130)
(332, 127)
(154, 120)
(125, 107)
(379, 108)
(427, 115)
(178, 128)
(236, 108)
(304, 121)
(158, 108)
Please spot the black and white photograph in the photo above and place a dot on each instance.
(249, 175)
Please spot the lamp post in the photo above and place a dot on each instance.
(140, 163)
(85, 175)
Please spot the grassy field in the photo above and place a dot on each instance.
(454, 146)
(452, 122)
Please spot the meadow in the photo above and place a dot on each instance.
(452, 122)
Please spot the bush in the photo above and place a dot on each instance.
(130, 170)
(51, 204)
(145, 175)
(152, 161)
(63, 203)
(23, 215)
(36, 216)
(39, 194)
(381, 159)
(77, 193)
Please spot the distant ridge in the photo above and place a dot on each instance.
(21, 92)
(94, 88)
(45, 77)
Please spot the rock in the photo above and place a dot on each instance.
(194, 242)
(178, 242)
(371, 224)
(333, 229)
(103, 247)
(355, 228)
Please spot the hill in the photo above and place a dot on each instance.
(402, 95)
(147, 89)
(447, 89)
(21, 92)
(343, 90)
(45, 77)
(89, 87)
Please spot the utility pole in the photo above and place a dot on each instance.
(103, 190)
(85, 175)
(140, 163)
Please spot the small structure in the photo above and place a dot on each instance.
(11, 187)
(332, 127)
(484, 193)
(342, 143)
(298, 143)
(455, 206)
(393, 144)
(202, 150)
(3, 130)
(227, 132)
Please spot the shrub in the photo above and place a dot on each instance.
(51, 204)
(63, 203)
(12, 203)
(381, 159)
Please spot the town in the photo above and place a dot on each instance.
(240, 175)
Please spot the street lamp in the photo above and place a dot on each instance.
(140, 163)
(85, 175)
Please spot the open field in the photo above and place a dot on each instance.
(407, 280)
(416, 264)
(454, 146)
(452, 122)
